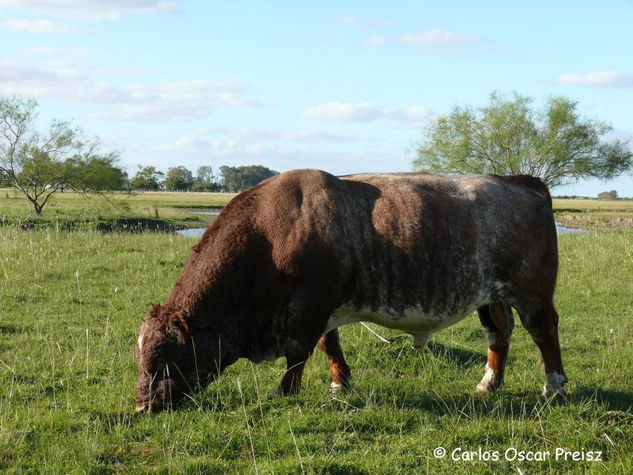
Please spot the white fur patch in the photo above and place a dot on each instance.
(413, 321)
(554, 383)
(140, 342)
(488, 382)
(335, 388)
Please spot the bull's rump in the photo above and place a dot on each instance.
(411, 251)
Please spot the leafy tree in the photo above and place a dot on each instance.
(237, 179)
(146, 178)
(608, 195)
(94, 172)
(205, 179)
(179, 178)
(41, 165)
(509, 137)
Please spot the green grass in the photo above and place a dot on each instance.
(71, 306)
(71, 210)
(594, 214)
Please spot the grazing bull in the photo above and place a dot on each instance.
(292, 259)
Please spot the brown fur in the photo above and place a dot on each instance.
(267, 276)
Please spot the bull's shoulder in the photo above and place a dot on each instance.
(303, 177)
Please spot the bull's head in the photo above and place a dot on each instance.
(173, 362)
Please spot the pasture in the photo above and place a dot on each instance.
(70, 308)
(70, 210)
(594, 214)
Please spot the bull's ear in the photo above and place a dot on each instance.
(178, 328)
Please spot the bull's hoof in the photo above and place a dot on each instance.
(337, 388)
(554, 383)
(489, 383)
(482, 390)
(553, 393)
(285, 392)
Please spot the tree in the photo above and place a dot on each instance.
(608, 195)
(146, 178)
(179, 178)
(41, 165)
(94, 172)
(509, 137)
(205, 179)
(237, 179)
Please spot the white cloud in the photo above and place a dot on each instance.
(184, 100)
(613, 78)
(437, 37)
(285, 135)
(42, 26)
(436, 41)
(344, 112)
(89, 9)
(416, 116)
(193, 152)
(366, 112)
(375, 41)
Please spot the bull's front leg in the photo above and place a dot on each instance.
(291, 381)
(339, 370)
(307, 315)
(498, 322)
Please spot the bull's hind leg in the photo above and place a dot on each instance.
(498, 322)
(541, 321)
(339, 370)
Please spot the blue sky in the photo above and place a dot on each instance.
(342, 86)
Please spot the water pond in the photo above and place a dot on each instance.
(197, 232)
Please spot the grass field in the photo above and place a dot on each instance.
(595, 214)
(70, 309)
(71, 210)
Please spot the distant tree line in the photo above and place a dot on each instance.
(230, 179)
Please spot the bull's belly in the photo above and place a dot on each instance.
(414, 321)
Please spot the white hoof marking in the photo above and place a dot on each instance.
(488, 382)
(554, 383)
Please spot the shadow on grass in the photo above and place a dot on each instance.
(613, 400)
(458, 356)
(8, 329)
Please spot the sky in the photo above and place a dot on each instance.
(342, 86)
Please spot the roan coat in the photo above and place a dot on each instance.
(293, 258)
